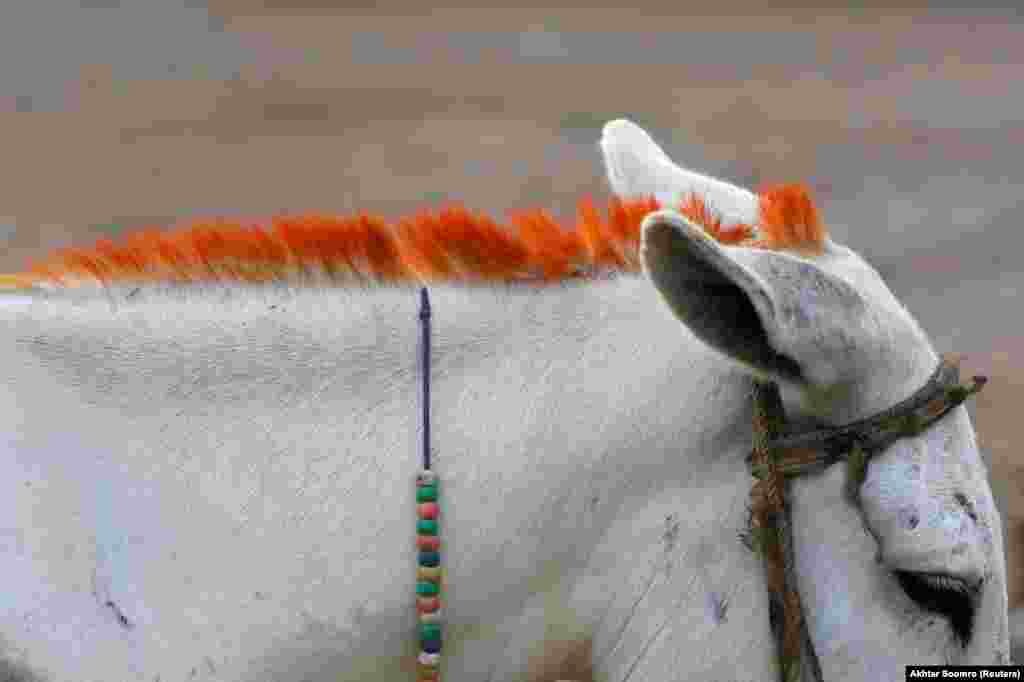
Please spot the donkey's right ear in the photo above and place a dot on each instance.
(637, 166)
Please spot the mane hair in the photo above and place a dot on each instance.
(451, 244)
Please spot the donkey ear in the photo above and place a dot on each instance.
(774, 312)
(637, 166)
(726, 305)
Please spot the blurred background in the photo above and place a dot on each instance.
(904, 121)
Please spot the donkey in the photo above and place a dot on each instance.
(214, 482)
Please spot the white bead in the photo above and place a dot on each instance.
(429, 659)
(426, 476)
(434, 617)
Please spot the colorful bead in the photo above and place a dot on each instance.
(425, 588)
(430, 543)
(432, 573)
(434, 617)
(428, 604)
(429, 659)
(428, 575)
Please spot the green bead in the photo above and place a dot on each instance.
(426, 527)
(425, 588)
(426, 493)
(430, 630)
(430, 558)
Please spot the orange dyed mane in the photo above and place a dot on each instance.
(452, 244)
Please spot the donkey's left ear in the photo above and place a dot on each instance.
(774, 312)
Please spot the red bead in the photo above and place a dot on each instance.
(428, 510)
(428, 543)
(428, 604)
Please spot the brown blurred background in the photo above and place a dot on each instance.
(905, 122)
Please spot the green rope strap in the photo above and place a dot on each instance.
(769, 531)
(813, 450)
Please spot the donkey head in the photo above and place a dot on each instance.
(793, 306)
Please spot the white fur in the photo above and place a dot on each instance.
(231, 470)
(1017, 634)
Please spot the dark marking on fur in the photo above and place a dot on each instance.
(719, 607)
(909, 518)
(967, 505)
(671, 534)
(670, 537)
(121, 618)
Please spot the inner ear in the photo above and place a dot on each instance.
(713, 295)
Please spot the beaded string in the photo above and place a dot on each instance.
(428, 571)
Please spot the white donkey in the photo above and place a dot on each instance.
(216, 484)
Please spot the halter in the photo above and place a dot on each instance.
(778, 454)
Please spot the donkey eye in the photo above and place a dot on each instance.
(946, 595)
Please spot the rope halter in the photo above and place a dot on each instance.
(779, 454)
